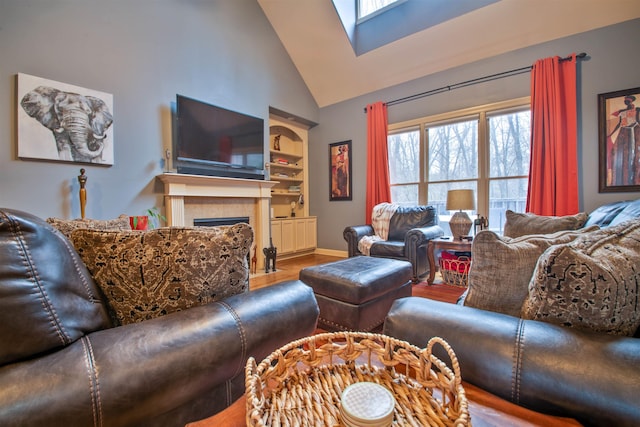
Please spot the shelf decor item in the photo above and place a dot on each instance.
(302, 382)
(340, 171)
(619, 136)
(460, 200)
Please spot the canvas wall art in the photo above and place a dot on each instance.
(619, 129)
(340, 171)
(62, 122)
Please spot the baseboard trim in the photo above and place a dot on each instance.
(332, 252)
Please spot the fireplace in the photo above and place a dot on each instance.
(188, 197)
(215, 222)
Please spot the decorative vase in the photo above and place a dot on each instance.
(139, 222)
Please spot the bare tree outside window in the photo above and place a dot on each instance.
(509, 154)
(404, 166)
(452, 151)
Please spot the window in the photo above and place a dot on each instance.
(367, 8)
(485, 149)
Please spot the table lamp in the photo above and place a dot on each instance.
(460, 222)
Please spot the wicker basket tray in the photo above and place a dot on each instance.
(301, 383)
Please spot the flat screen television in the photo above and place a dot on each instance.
(214, 141)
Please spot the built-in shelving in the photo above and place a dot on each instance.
(292, 230)
(287, 167)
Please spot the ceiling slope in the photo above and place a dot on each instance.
(314, 38)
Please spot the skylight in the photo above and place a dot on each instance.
(369, 7)
(389, 20)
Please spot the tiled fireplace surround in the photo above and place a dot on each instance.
(193, 196)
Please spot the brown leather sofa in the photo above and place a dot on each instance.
(410, 229)
(63, 364)
(591, 376)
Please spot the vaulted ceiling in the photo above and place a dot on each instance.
(316, 41)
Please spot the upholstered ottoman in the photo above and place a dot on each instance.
(355, 294)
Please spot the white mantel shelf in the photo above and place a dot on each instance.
(178, 186)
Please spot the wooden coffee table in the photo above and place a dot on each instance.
(485, 409)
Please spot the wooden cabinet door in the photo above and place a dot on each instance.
(311, 233)
(287, 244)
(301, 241)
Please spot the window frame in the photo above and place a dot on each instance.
(361, 19)
(482, 113)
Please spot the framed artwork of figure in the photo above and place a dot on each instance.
(340, 171)
(619, 139)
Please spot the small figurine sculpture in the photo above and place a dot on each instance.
(254, 261)
(270, 254)
(481, 223)
(276, 143)
(82, 179)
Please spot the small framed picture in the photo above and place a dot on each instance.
(340, 171)
(619, 139)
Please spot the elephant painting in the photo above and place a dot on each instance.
(79, 123)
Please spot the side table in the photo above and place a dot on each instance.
(444, 244)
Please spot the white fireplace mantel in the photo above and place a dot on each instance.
(178, 186)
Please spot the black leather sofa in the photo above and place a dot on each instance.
(410, 229)
(593, 377)
(63, 364)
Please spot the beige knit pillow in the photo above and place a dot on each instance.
(67, 226)
(590, 283)
(146, 274)
(521, 224)
(502, 268)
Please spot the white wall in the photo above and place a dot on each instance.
(612, 65)
(143, 52)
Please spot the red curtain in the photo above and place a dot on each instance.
(378, 189)
(553, 174)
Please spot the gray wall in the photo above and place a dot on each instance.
(612, 65)
(143, 52)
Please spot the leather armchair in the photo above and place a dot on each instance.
(410, 229)
(62, 363)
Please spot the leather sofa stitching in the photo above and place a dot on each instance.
(71, 250)
(228, 394)
(35, 278)
(517, 365)
(94, 383)
(243, 337)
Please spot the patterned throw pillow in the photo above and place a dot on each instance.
(502, 268)
(67, 226)
(590, 283)
(147, 274)
(521, 224)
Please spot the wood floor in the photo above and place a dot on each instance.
(289, 270)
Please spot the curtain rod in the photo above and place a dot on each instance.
(471, 82)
